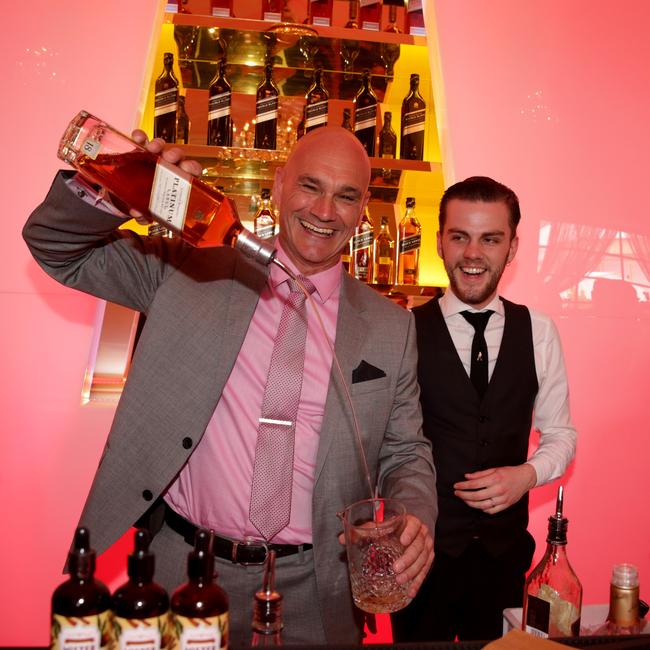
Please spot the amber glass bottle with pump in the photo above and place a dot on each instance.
(81, 605)
(200, 606)
(140, 606)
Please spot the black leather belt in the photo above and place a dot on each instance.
(237, 552)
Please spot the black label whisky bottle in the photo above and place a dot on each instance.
(264, 223)
(362, 247)
(140, 606)
(365, 114)
(81, 605)
(166, 101)
(182, 123)
(413, 111)
(408, 248)
(200, 607)
(553, 593)
(219, 100)
(317, 102)
(387, 138)
(384, 255)
(266, 113)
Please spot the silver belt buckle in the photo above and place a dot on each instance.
(250, 543)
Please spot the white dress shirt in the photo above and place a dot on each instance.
(551, 416)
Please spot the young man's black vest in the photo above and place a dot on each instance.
(470, 435)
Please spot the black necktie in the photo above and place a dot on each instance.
(479, 367)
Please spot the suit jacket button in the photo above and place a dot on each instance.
(187, 443)
(147, 495)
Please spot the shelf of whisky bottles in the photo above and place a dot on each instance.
(288, 33)
(342, 60)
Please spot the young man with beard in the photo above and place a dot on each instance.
(480, 428)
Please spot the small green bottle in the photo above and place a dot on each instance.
(81, 605)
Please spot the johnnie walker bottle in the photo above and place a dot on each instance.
(413, 113)
(264, 223)
(365, 114)
(387, 138)
(166, 101)
(384, 255)
(362, 249)
(370, 14)
(219, 100)
(320, 12)
(317, 101)
(415, 18)
(266, 113)
(408, 247)
(182, 123)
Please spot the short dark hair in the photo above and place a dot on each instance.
(482, 188)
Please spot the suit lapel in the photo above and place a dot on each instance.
(350, 327)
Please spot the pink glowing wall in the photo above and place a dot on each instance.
(549, 97)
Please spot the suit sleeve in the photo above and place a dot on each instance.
(406, 469)
(80, 245)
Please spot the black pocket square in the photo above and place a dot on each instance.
(365, 372)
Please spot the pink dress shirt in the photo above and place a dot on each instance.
(213, 488)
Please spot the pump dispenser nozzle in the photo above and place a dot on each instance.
(141, 562)
(81, 558)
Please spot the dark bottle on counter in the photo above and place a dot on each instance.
(370, 14)
(200, 606)
(317, 102)
(267, 609)
(347, 120)
(413, 112)
(81, 605)
(166, 102)
(362, 248)
(408, 247)
(182, 123)
(219, 100)
(266, 113)
(365, 114)
(553, 593)
(387, 138)
(384, 255)
(264, 224)
(140, 606)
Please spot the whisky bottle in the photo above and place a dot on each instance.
(362, 247)
(370, 14)
(347, 121)
(145, 182)
(264, 223)
(266, 113)
(267, 609)
(624, 616)
(166, 101)
(393, 6)
(415, 18)
(553, 593)
(413, 110)
(346, 257)
(353, 13)
(409, 241)
(320, 12)
(140, 606)
(317, 101)
(272, 10)
(384, 255)
(81, 605)
(200, 607)
(219, 100)
(221, 8)
(365, 114)
(387, 138)
(182, 123)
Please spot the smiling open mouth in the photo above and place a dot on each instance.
(472, 270)
(324, 232)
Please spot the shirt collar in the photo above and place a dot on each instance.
(326, 282)
(450, 305)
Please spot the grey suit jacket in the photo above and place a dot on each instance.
(199, 303)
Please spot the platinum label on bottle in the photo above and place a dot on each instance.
(170, 195)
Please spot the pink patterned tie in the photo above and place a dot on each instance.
(270, 506)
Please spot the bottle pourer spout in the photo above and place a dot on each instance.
(559, 506)
(257, 249)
